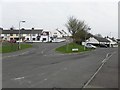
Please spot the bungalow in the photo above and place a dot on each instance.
(113, 42)
(97, 41)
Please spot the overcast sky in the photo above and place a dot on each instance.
(101, 16)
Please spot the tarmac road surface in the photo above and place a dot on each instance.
(42, 67)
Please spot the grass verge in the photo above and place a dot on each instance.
(68, 48)
(12, 47)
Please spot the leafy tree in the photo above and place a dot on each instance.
(77, 28)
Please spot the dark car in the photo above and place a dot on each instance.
(103, 45)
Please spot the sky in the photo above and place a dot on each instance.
(100, 15)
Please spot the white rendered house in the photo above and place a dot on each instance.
(96, 41)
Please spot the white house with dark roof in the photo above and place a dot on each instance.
(110, 42)
(113, 42)
(28, 35)
(97, 41)
(25, 34)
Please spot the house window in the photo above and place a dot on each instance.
(44, 39)
(16, 39)
(11, 34)
(27, 38)
(38, 39)
(8, 34)
(33, 39)
(33, 34)
(11, 38)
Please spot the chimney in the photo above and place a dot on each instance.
(22, 29)
(1, 28)
(11, 28)
(32, 28)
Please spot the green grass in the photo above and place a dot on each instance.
(12, 47)
(68, 48)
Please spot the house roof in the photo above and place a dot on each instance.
(118, 39)
(22, 31)
(100, 39)
(113, 39)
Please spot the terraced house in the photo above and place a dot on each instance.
(25, 35)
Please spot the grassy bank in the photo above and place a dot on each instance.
(68, 48)
(12, 47)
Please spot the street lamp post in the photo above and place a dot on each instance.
(85, 38)
(19, 34)
(67, 40)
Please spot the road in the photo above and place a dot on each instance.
(44, 68)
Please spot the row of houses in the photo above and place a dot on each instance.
(27, 35)
(40, 35)
(97, 41)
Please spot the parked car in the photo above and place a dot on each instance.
(103, 45)
(12, 41)
(90, 46)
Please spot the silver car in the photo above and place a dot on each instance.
(90, 46)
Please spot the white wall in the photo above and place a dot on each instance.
(47, 38)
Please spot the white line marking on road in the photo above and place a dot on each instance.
(107, 57)
(93, 76)
(22, 81)
(19, 78)
(103, 62)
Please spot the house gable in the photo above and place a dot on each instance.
(92, 40)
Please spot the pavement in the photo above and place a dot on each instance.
(45, 68)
